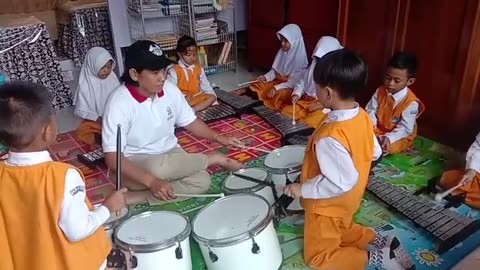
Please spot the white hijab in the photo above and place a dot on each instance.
(295, 59)
(324, 45)
(92, 92)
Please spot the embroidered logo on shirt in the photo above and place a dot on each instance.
(395, 119)
(414, 112)
(169, 113)
(155, 49)
(76, 190)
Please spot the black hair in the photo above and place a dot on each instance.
(25, 109)
(405, 60)
(127, 79)
(343, 70)
(184, 42)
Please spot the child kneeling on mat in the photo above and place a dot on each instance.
(335, 173)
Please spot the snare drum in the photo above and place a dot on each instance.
(237, 233)
(157, 240)
(114, 220)
(234, 184)
(286, 163)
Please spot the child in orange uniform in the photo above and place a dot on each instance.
(470, 177)
(335, 174)
(275, 87)
(190, 77)
(46, 221)
(308, 110)
(394, 108)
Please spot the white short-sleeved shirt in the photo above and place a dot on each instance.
(147, 123)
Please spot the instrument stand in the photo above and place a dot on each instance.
(279, 211)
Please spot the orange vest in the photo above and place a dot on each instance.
(356, 135)
(30, 238)
(388, 117)
(190, 86)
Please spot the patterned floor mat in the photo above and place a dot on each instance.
(411, 170)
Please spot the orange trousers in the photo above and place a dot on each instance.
(312, 119)
(281, 98)
(196, 99)
(472, 190)
(88, 130)
(335, 243)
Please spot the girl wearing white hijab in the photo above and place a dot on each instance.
(275, 87)
(308, 110)
(95, 84)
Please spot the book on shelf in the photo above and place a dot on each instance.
(218, 54)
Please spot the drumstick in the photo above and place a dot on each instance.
(119, 162)
(439, 197)
(257, 149)
(220, 195)
(247, 83)
(293, 120)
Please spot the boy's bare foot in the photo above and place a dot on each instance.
(221, 160)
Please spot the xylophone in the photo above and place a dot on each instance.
(92, 159)
(241, 103)
(217, 112)
(447, 227)
(282, 123)
(297, 140)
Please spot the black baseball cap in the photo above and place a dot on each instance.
(146, 54)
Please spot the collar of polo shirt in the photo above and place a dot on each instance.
(137, 95)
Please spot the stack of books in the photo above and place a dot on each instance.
(206, 27)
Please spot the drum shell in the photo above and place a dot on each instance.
(240, 257)
(235, 253)
(160, 257)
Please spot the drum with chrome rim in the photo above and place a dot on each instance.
(234, 184)
(285, 164)
(156, 240)
(237, 233)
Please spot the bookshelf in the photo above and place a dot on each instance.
(210, 22)
(216, 33)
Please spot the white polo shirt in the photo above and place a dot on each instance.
(148, 123)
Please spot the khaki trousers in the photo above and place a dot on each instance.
(186, 172)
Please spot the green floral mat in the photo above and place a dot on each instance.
(411, 170)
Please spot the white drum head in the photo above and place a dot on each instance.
(233, 182)
(152, 228)
(231, 217)
(286, 157)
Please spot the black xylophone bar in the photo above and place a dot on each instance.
(282, 123)
(216, 112)
(446, 226)
(91, 159)
(297, 140)
(238, 102)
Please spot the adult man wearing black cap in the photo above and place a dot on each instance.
(148, 107)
